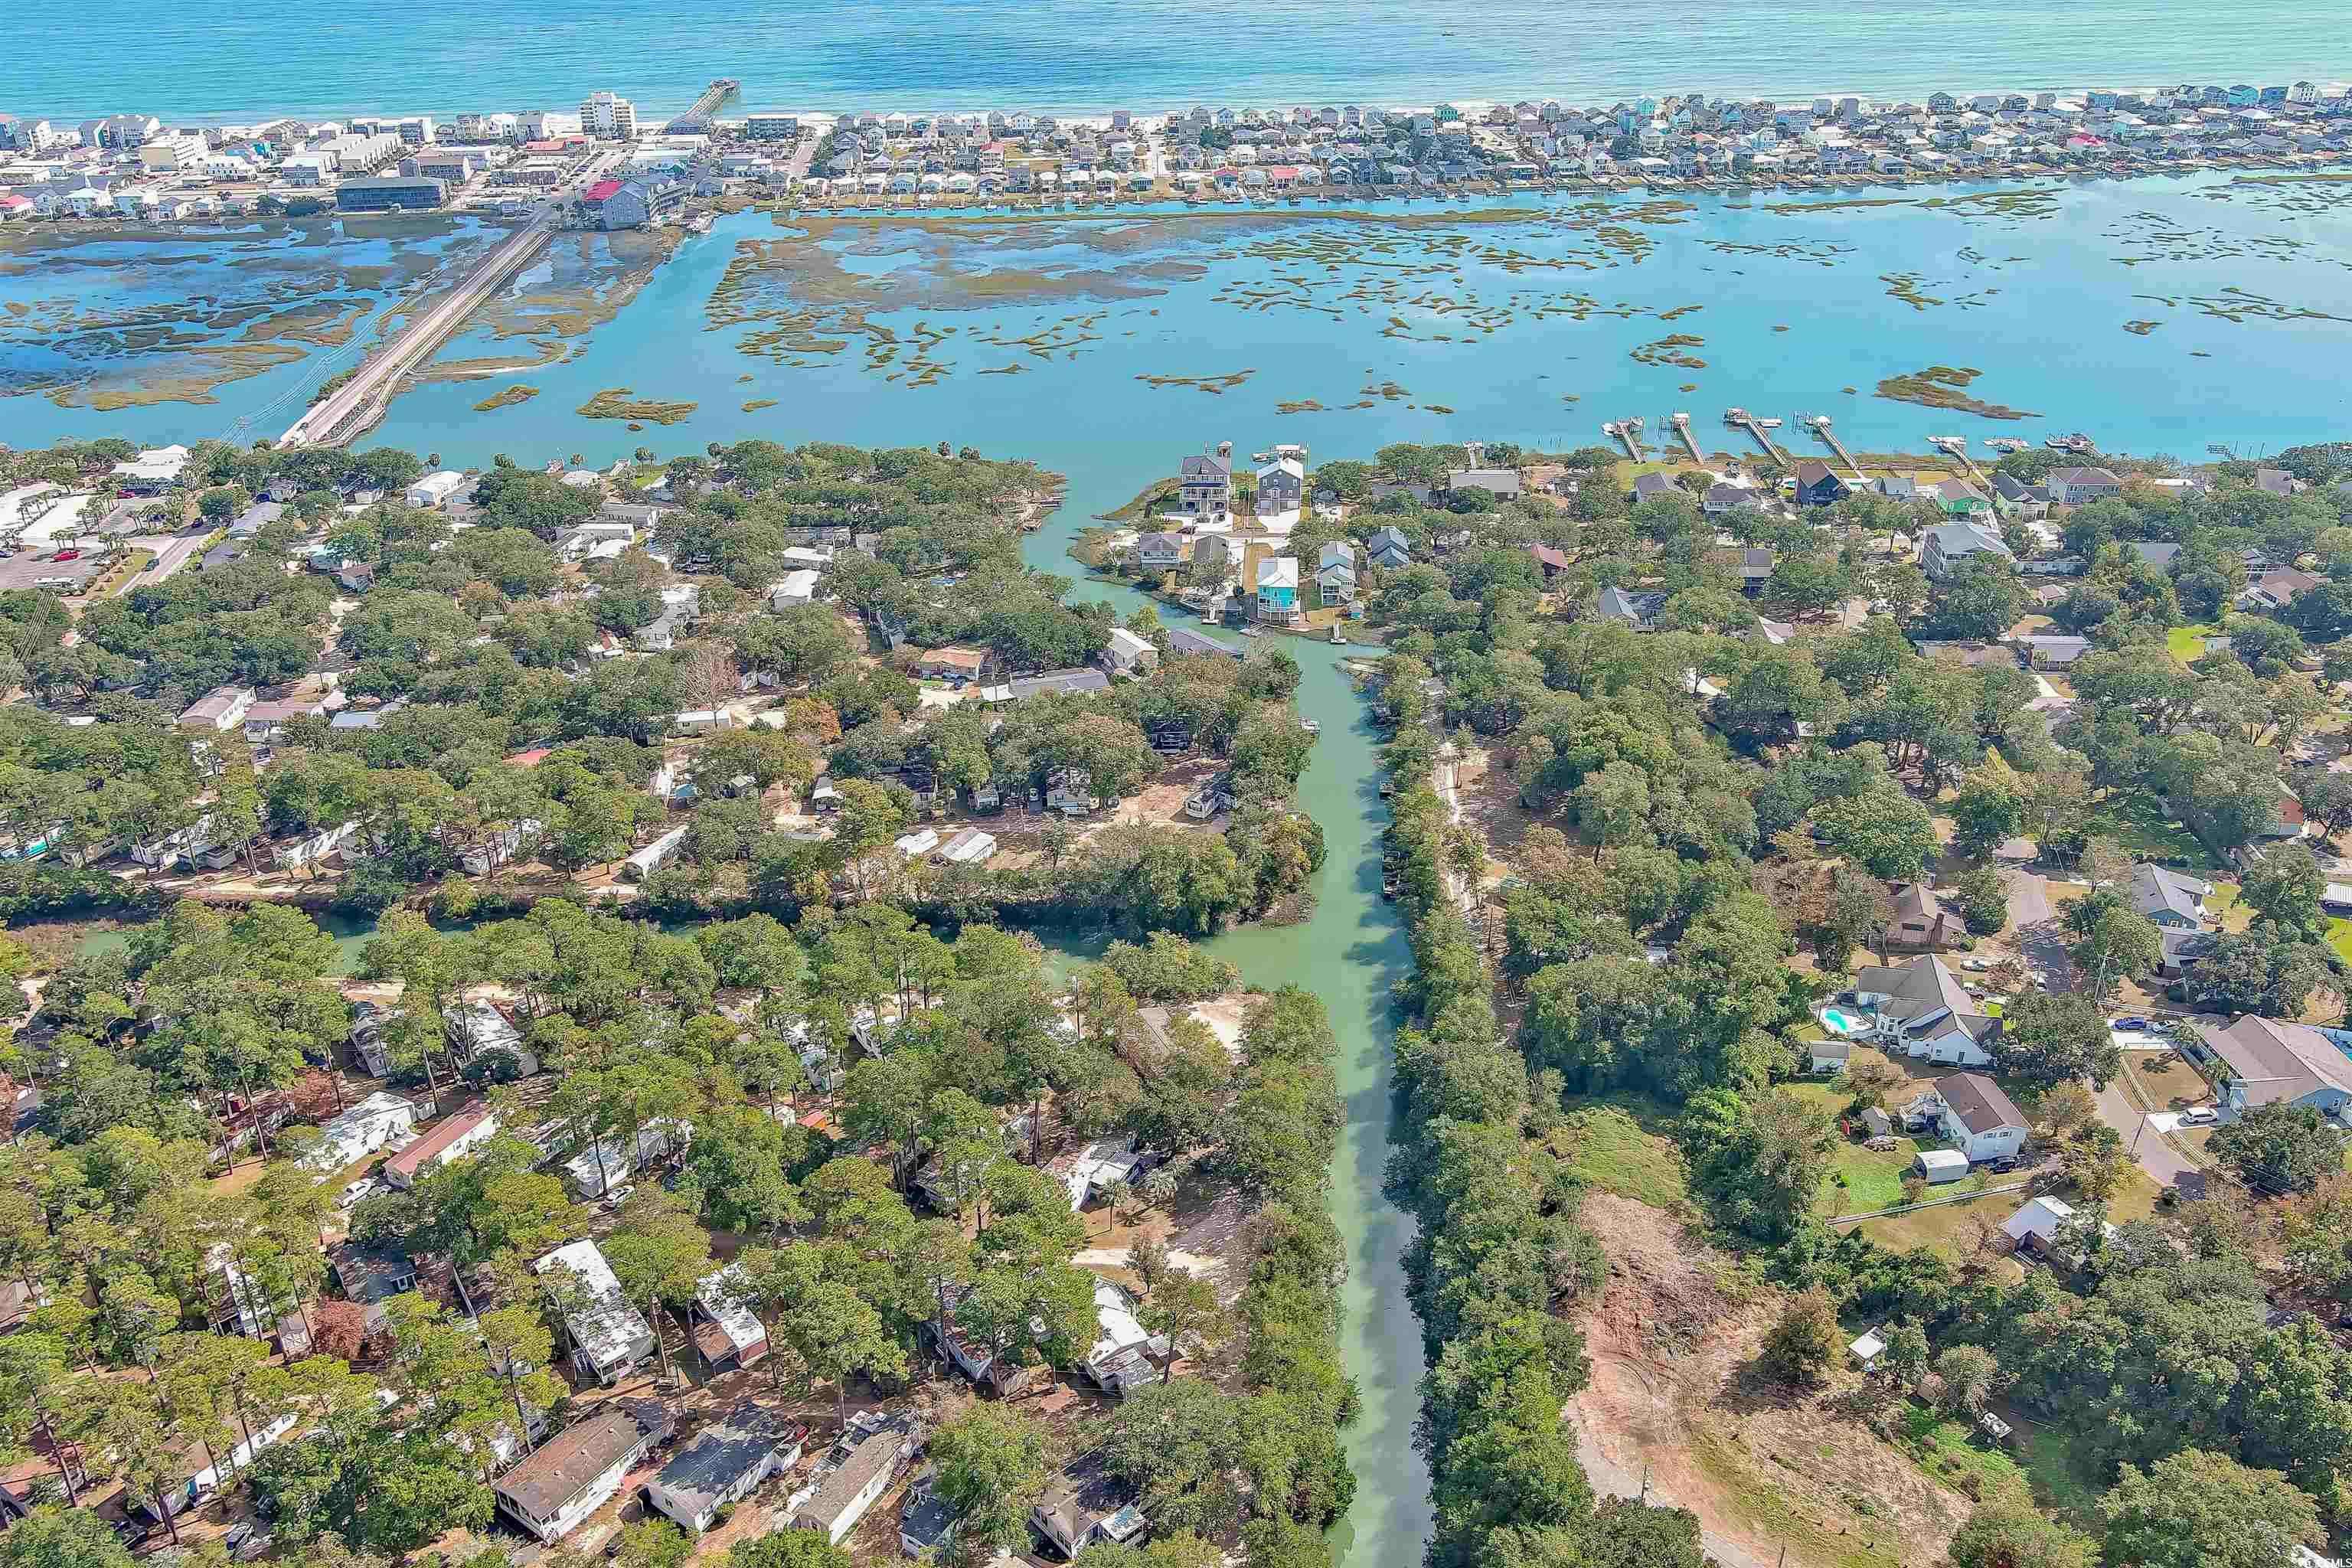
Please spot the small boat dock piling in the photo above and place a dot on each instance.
(1629, 435)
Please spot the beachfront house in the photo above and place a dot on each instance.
(1205, 487)
(1920, 1008)
(1277, 590)
(1818, 484)
(1281, 486)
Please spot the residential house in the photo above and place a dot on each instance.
(2182, 951)
(2277, 482)
(2159, 556)
(452, 1138)
(578, 1470)
(1818, 484)
(222, 707)
(1214, 797)
(1281, 486)
(360, 1131)
(1127, 653)
(1068, 792)
(1756, 564)
(1920, 1008)
(1976, 1115)
(607, 1337)
(2050, 652)
(1653, 487)
(1087, 1172)
(1085, 1506)
(609, 1163)
(1162, 552)
(1550, 562)
(2168, 898)
(1636, 608)
(2013, 494)
(851, 1488)
(1067, 682)
(2268, 1061)
(371, 1276)
(1720, 499)
(2275, 589)
(951, 663)
(1335, 573)
(429, 493)
(795, 587)
(2077, 486)
(1917, 919)
(1277, 590)
(1942, 547)
(1205, 487)
(1503, 484)
(1389, 548)
(725, 1463)
(967, 846)
(2036, 1227)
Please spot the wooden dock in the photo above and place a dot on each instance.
(696, 121)
(1628, 436)
(1749, 423)
(1819, 426)
(1957, 447)
(1680, 425)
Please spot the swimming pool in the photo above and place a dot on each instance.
(1841, 1023)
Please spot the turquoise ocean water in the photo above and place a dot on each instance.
(227, 63)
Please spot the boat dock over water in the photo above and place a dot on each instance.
(1819, 426)
(1680, 425)
(1760, 428)
(1629, 432)
(697, 120)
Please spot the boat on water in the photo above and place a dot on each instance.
(2078, 442)
(1253, 631)
(1339, 637)
(1771, 421)
(1310, 726)
(2004, 444)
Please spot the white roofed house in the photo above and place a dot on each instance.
(1125, 1355)
(360, 1131)
(608, 1163)
(1129, 654)
(607, 1336)
(726, 1331)
(851, 1487)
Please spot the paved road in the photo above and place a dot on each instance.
(2040, 941)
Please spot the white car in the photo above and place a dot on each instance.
(616, 1196)
(1979, 965)
(2199, 1116)
(365, 1187)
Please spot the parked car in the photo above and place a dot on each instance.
(618, 1195)
(365, 1187)
(1979, 965)
(2199, 1116)
(2132, 1026)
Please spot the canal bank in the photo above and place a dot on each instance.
(1348, 951)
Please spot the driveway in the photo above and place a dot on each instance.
(2040, 942)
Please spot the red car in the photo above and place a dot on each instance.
(68, 555)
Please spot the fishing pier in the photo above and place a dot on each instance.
(697, 120)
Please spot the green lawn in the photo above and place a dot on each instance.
(1619, 1145)
(2339, 936)
(1946, 1448)
(2140, 822)
(2188, 643)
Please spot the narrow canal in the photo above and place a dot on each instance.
(1348, 952)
